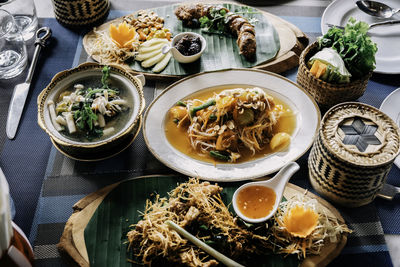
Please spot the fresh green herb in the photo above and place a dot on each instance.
(220, 155)
(353, 45)
(106, 75)
(84, 115)
(96, 132)
(193, 110)
(91, 93)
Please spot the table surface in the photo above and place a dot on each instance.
(45, 184)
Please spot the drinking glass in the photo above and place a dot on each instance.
(24, 13)
(13, 56)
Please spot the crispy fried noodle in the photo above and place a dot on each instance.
(198, 207)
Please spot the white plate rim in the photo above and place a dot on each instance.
(385, 108)
(227, 172)
(343, 3)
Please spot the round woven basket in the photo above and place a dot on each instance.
(75, 13)
(353, 153)
(327, 94)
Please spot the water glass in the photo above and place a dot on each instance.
(13, 55)
(25, 17)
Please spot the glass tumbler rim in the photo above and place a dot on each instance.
(6, 2)
(5, 15)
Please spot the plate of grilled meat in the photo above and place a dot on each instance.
(236, 36)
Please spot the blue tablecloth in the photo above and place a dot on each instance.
(45, 184)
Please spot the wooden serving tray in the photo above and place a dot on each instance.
(73, 239)
(292, 42)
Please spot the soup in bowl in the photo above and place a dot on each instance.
(92, 106)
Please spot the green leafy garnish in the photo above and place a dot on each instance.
(217, 20)
(106, 75)
(84, 115)
(353, 45)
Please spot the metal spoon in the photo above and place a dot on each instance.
(377, 9)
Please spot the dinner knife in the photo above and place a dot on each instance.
(389, 22)
(21, 90)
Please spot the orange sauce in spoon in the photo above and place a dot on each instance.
(256, 201)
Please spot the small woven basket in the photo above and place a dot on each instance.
(327, 94)
(353, 153)
(75, 13)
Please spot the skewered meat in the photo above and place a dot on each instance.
(235, 24)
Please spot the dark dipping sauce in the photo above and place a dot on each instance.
(188, 45)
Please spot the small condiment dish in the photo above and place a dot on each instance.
(277, 184)
(175, 52)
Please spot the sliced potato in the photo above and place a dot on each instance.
(163, 63)
(141, 57)
(154, 41)
(151, 48)
(154, 60)
(280, 139)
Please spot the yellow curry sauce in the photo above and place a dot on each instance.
(179, 139)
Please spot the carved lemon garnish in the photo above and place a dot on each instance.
(300, 222)
(123, 35)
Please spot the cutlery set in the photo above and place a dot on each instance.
(376, 9)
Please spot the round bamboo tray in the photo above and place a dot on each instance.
(327, 94)
(353, 153)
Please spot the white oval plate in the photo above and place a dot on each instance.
(386, 37)
(302, 104)
(390, 106)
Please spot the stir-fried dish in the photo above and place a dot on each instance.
(230, 123)
(86, 113)
(301, 227)
(198, 208)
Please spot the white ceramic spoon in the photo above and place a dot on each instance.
(277, 183)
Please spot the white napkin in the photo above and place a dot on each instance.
(6, 230)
